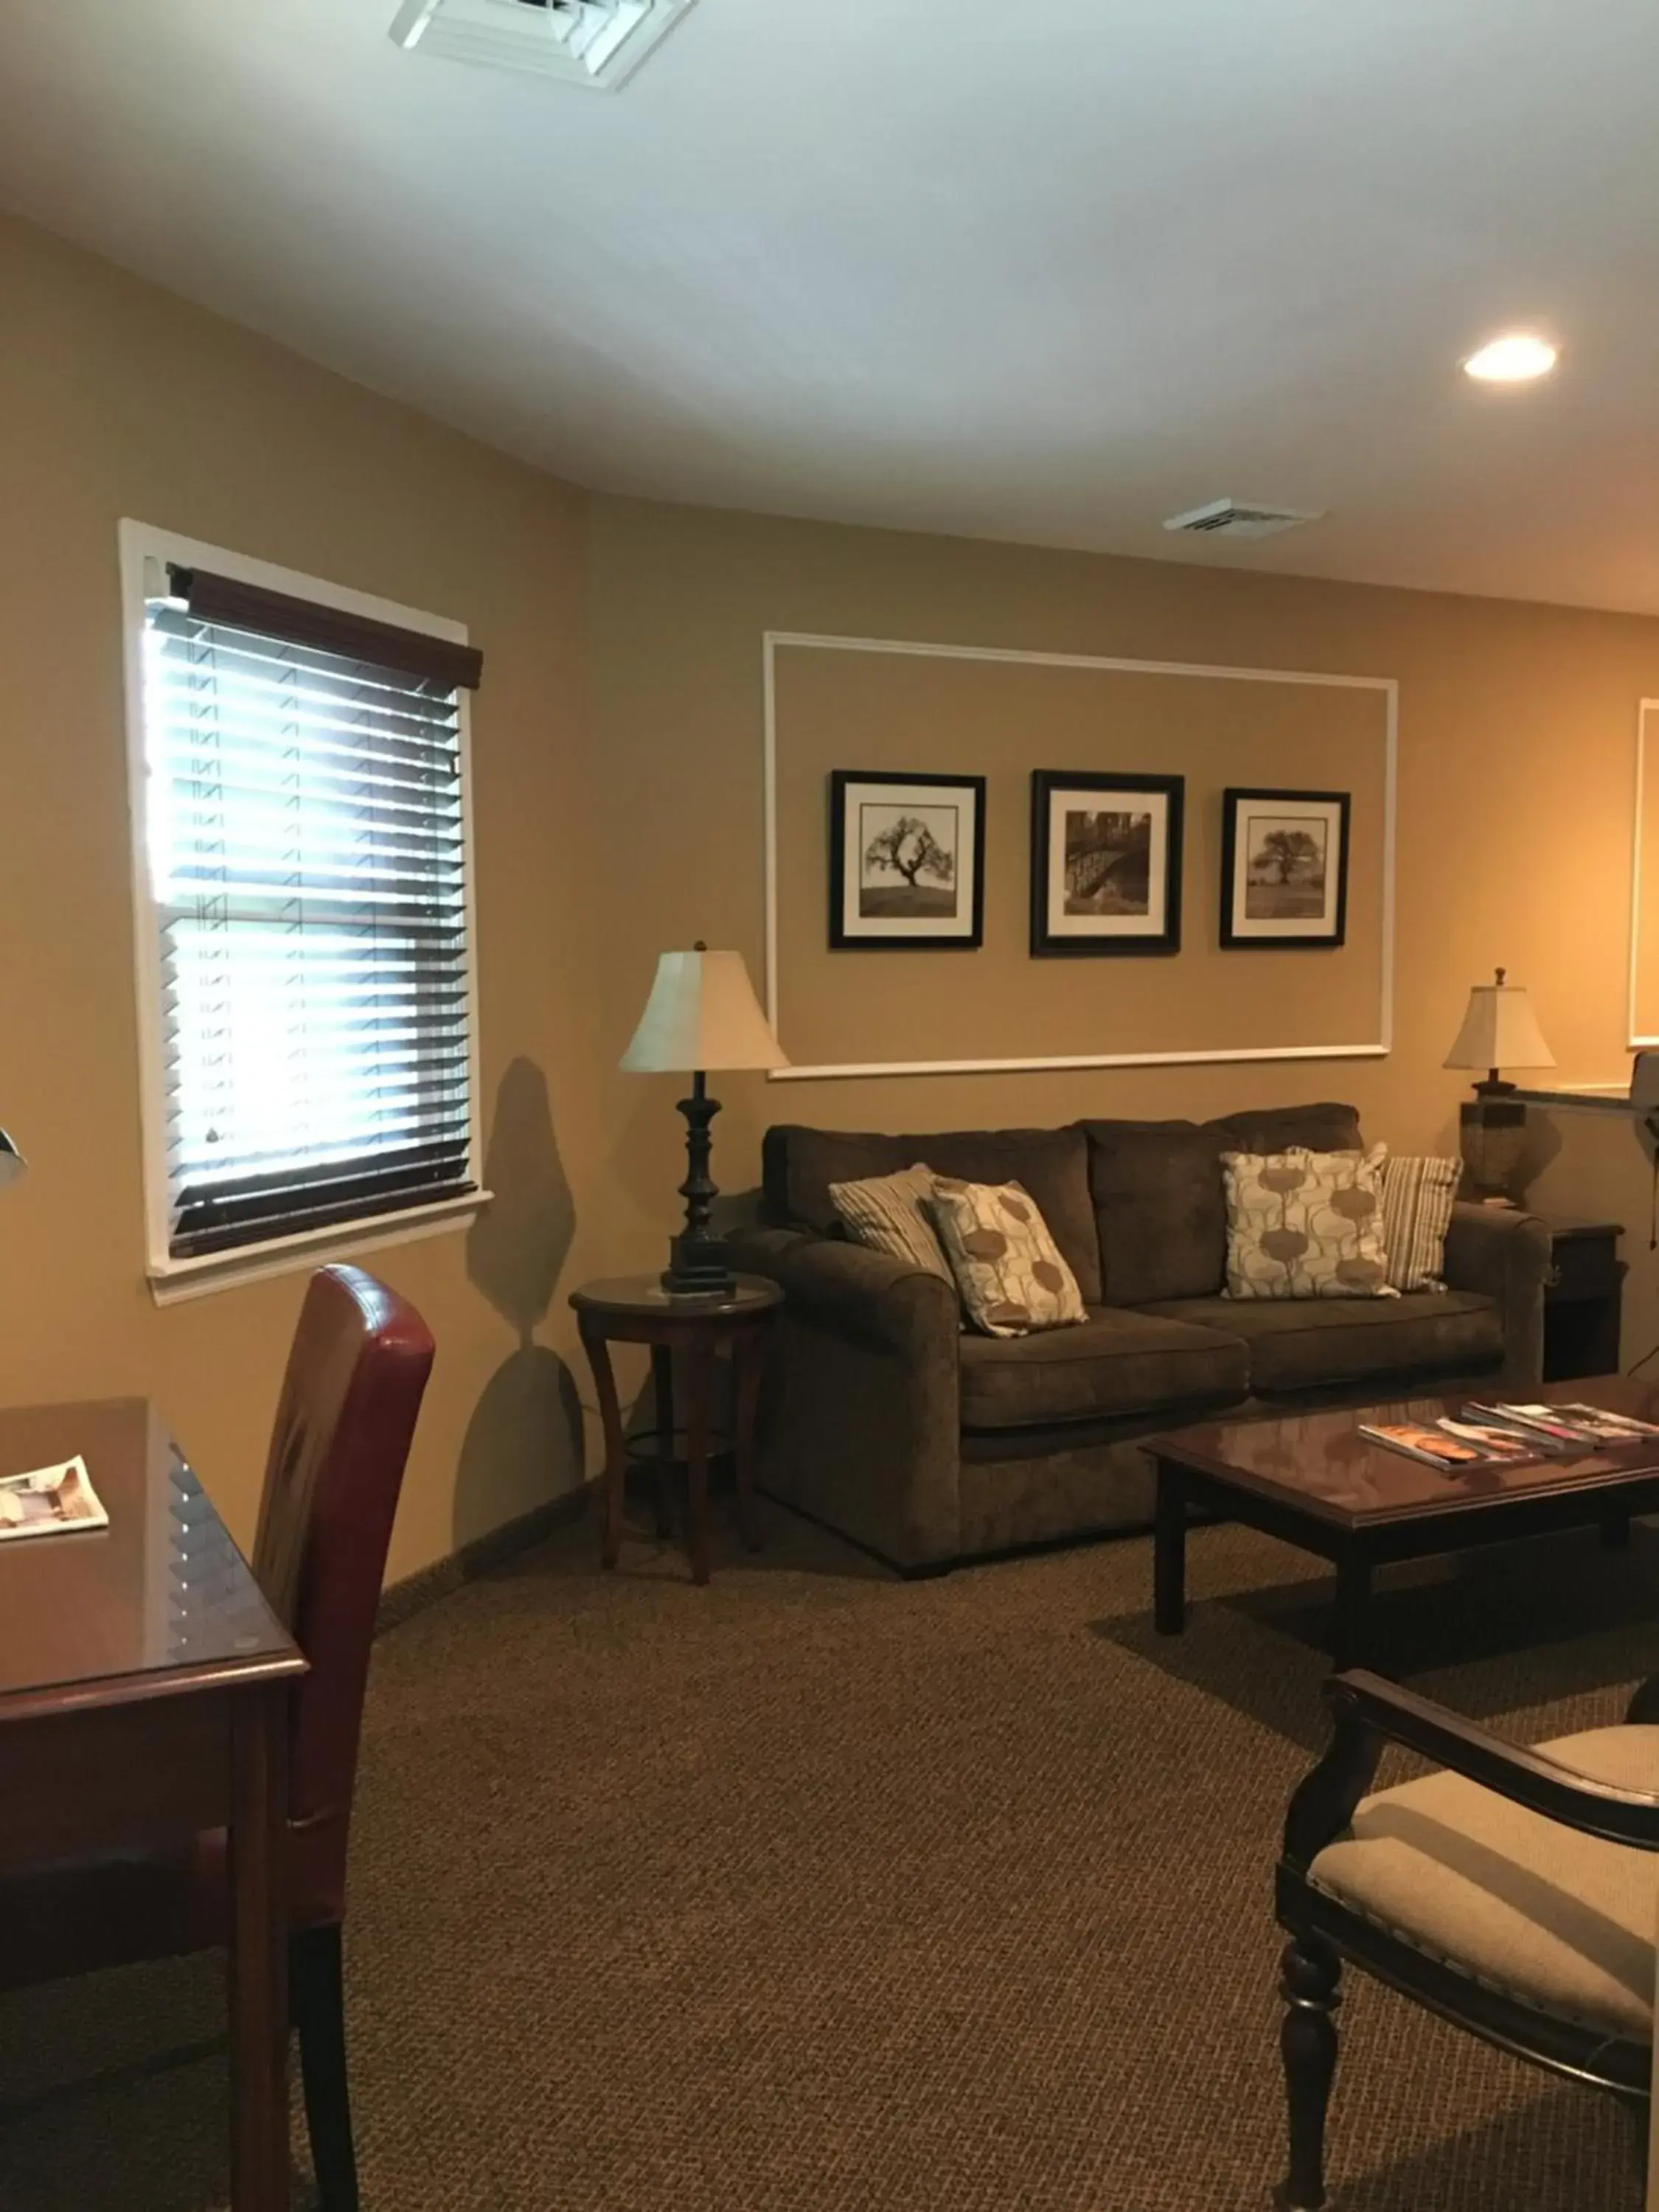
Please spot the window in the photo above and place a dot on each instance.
(304, 911)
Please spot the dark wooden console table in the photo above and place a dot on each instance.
(1583, 1299)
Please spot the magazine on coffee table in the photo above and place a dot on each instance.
(1568, 1428)
(1457, 1447)
(50, 1501)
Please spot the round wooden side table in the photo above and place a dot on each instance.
(637, 1310)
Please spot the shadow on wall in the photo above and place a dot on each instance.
(1543, 1149)
(523, 1443)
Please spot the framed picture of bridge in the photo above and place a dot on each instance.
(1105, 863)
(1284, 868)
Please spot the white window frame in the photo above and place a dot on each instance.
(145, 553)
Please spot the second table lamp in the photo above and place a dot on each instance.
(1499, 1031)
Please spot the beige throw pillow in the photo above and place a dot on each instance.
(1304, 1225)
(1008, 1268)
(1418, 1197)
(888, 1213)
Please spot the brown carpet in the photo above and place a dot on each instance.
(815, 1892)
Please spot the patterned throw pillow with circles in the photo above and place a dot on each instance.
(1304, 1225)
(1009, 1270)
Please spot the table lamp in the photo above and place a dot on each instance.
(1499, 1030)
(12, 1163)
(702, 1013)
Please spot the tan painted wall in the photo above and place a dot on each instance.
(617, 782)
(1517, 731)
(117, 399)
(1000, 719)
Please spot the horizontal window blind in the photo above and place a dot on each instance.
(307, 859)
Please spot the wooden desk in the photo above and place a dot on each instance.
(143, 1697)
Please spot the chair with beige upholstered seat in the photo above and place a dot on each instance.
(1515, 1892)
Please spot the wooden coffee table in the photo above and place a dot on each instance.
(1313, 1480)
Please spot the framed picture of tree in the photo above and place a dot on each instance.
(1284, 868)
(907, 861)
(1105, 863)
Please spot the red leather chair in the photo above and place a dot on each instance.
(355, 1379)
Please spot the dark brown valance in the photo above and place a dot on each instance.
(328, 630)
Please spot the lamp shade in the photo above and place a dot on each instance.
(12, 1163)
(1499, 1031)
(702, 1014)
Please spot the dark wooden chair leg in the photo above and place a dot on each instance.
(317, 1986)
(1311, 1971)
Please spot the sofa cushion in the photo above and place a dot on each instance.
(798, 1166)
(1160, 1212)
(1561, 1920)
(1115, 1363)
(1326, 1128)
(1304, 1344)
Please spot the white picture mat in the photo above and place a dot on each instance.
(919, 797)
(1388, 687)
(1248, 811)
(1073, 801)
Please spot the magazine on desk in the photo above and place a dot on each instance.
(50, 1501)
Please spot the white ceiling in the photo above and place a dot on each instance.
(1042, 269)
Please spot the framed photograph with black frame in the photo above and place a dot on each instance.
(1105, 863)
(1283, 869)
(907, 861)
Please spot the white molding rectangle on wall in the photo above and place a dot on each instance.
(1634, 1037)
(775, 640)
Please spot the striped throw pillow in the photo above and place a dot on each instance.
(1417, 1196)
(886, 1213)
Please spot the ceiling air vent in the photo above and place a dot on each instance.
(599, 43)
(1232, 518)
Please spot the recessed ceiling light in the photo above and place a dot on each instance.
(1512, 359)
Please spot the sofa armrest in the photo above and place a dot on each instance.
(861, 1412)
(1505, 1255)
(870, 1295)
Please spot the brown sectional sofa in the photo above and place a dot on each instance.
(929, 1445)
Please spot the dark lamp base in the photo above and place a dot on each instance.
(1493, 1131)
(696, 1258)
(697, 1279)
